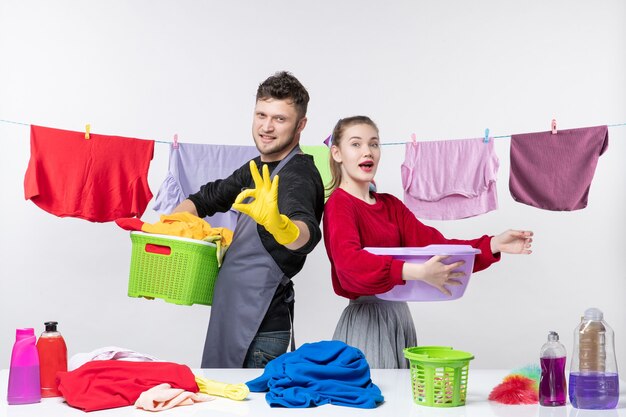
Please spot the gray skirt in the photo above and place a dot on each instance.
(379, 328)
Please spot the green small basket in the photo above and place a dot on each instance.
(438, 375)
(178, 270)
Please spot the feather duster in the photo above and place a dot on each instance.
(519, 387)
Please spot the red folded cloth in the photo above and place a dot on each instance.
(100, 385)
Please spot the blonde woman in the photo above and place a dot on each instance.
(356, 217)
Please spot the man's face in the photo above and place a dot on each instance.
(276, 128)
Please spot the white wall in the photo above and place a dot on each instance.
(445, 69)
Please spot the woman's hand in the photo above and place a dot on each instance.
(512, 241)
(434, 273)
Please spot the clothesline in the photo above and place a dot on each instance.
(383, 144)
(28, 124)
(490, 137)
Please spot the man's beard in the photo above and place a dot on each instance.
(280, 148)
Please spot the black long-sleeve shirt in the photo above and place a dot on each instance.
(300, 197)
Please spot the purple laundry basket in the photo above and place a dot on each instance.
(420, 291)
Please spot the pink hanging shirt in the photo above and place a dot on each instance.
(450, 179)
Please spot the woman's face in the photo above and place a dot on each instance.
(358, 153)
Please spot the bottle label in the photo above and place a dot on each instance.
(592, 351)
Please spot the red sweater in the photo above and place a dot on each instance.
(351, 224)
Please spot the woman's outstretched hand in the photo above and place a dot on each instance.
(513, 241)
(434, 273)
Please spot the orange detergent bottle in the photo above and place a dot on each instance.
(52, 359)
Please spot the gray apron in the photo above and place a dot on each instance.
(245, 286)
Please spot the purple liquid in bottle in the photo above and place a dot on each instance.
(24, 386)
(552, 386)
(594, 391)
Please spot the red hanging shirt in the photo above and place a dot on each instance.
(98, 179)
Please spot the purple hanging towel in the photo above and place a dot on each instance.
(193, 165)
(554, 171)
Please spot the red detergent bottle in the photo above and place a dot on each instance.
(52, 359)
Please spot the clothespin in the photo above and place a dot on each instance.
(87, 130)
(553, 126)
(175, 145)
(413, 137)
(486, 140)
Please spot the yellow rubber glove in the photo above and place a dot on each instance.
(264, 208)
(232, 391)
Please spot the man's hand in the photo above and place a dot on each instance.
(264, 208)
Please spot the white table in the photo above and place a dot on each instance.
(394, 384)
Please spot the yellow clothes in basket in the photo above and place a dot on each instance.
(193, 227)
(189, 226)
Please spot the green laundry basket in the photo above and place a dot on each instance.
(178, 270)
(438, 375)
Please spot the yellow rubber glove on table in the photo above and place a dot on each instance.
(236, 392)
(264, 208)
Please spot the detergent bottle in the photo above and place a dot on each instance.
(552, 385)
(24, 385)
(52, 359)
(593, 380)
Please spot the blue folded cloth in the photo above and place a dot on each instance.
(326, 372)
